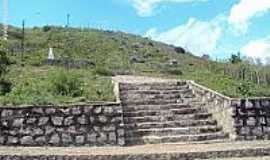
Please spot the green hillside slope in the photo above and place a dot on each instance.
(107, 54)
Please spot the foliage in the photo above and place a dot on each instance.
(235, 59)
(66, 83)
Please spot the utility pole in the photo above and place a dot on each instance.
(23, 39)
(5, 19)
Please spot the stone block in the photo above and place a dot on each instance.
(76, 111)
(57, 121)
(68, 121)
(82, 120)
(103, 119)
(37, 110)
(66, 138)
(98, 110)
(12, 140)
(18, 122)
(50, 111)
(27, 140)
(43, 121)
(55, 139)
(92, 137)
(41, 140)
(6, 113)
(79, 139)
(31, 120)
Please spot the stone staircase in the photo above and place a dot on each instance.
(166, 113)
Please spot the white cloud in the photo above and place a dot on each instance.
(199, 37)
(245, 10)
(258, 49)
(145, 7)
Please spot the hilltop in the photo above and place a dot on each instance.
(93, 56)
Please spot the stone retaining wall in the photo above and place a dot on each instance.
(85, 125)
(252, 118)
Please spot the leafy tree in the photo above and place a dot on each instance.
(236, 58)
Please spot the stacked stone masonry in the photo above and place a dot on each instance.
(252, 118)
(86, 125)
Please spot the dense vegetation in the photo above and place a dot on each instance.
(30, 80)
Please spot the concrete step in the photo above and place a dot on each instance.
(159, 101)
(141, 119)
(132, 108)
(172, 131)
(170, 124)
(152, 86)
(176, 138)
(154, 92)
(164, 112)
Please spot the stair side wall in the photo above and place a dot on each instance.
(218, 105)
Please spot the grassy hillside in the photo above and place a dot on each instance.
(110, 53)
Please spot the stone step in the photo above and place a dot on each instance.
(152, 101)
(132, 108)
(176, 138)
(169, 124)
(154, 92)
(199, 116)
(159, 98)
(152, 86)
(172, 131)
(164, 112)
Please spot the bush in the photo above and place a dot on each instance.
(103, 71)
(5, 87)
(66, 83)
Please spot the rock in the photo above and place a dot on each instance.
(65, 111)
(92, 120)
(66, 138)
(82, 120)
(102, 138)
(50, 111)
(92, 138)
(68, 121)
(2, 140)
(98, 110)
(57, 121)
(41, 140)
(121, 132)
(121, 141)
(31, 120)
(80, 140)
(37, 110)
(103, 119)
(42, 121)
(12, 140)
(18, 122)
(136, 59)
(37, 132)
(55, 139)
(112, 137)
(109, 128)
(265, 103)
(251, 121)
(27, 140)
(108, 110)
(6, 113)
(76, 111)
(173, 62)
(49, 130)
(248, 105)
(25, 131)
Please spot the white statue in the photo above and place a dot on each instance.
(51, 55)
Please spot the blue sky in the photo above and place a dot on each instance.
(215, 27)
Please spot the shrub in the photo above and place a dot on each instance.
(66, 83)
(5, 87)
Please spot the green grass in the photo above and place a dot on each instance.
(33, 85)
